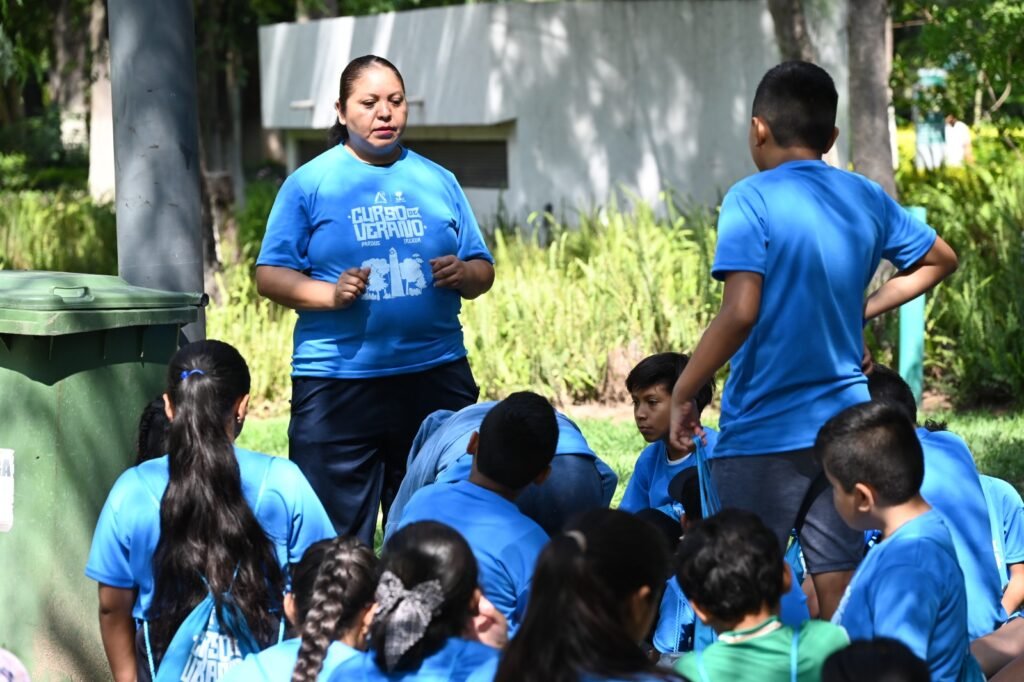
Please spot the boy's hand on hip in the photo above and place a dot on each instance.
(684, 425)
(351, 285)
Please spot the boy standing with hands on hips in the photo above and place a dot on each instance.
(797, 245)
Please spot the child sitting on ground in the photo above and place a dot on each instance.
(330, 603)
(650, 385)
(423, 627)
(731, 568)
(513, 450)
(952, 487)
(909, 586)
(1006, 516)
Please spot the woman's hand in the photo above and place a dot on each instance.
(470, 278)
(351, 285)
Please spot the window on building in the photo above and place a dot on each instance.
(480, 163)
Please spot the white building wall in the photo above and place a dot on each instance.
(602, 95)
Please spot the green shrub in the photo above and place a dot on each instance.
(62, 231)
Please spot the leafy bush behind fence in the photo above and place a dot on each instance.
(628, 277)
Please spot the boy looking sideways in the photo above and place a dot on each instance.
(797, 245)
(910, 586)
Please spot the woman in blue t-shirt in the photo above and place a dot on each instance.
(428, 603)
(205, 518)
(374, 246)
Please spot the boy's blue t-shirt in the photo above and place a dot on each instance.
(1006, 517)
(459, 660)
(952, 487)
(505, 542)
(438, 453)
(335, 213)
(128, 528)
(910, 587)
(648, 486)
(277, 663)
(816, 234)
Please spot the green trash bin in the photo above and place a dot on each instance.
(80, 357)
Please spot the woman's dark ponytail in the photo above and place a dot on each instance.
(333, 585)
(207, 529)
(338, 133)
(587, 575)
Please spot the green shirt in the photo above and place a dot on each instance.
(766, 648)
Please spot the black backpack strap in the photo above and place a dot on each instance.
(819, 485)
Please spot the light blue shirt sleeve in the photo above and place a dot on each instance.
(109, 561)
(905, 606)
(637, 494)
(907, 239)
(289, 228)
(742, 233)
(471, 240)
(309, 520)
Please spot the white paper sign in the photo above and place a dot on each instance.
(6, 489)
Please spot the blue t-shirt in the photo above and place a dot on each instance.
(337, 212)
(648, 486)
(816, 234)
(910, 587)
(459, 660)
(128, 528)
(951, 485)
(1006, 517)
(438, 453)
(505, 542)
(277, 663)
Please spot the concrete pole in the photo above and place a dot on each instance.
(156, 146)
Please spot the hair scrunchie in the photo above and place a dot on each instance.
(409, 613)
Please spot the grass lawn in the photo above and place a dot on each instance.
(997, 442)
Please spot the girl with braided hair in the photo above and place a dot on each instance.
(331, 604)
(427, 625)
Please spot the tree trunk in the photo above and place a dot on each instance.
(791, 30)
(68, 81)
(101, 114)
(869, 95)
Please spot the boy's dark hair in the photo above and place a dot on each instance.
(153, 425)
(730, 565)
(588, 575)
(873, 443)
(875, 660)
(886, 385)
(332, 585)
(517, 440)
(798, 102)
(663, 369)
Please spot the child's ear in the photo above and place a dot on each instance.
(831, 140)
(290, 612)
(474, 443)
(543, 476)
(700, 612)
(760, 132)
(863, 497)
(168, 407)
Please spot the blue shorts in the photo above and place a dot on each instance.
(774, 487)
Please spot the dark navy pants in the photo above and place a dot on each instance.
(351, 437)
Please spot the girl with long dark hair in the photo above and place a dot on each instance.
(207, 518)
(595, 594)
(427, 599)
(330, 603)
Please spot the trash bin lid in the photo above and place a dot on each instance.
(39, 303)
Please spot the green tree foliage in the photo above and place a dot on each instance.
(981, 45)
